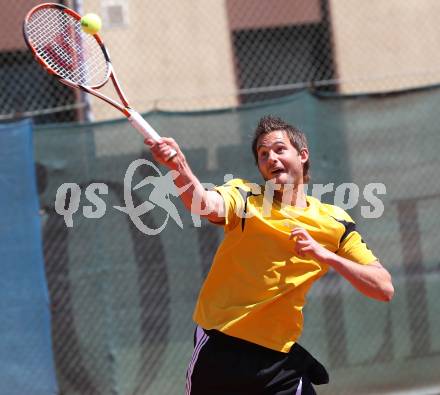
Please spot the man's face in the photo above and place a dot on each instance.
(278, 159)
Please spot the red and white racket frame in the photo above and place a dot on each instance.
(136, 120)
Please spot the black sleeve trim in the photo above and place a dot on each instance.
(349, 227)
(244, 194)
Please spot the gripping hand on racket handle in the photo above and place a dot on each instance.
(165, 151)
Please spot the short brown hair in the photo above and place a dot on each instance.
(296, 137)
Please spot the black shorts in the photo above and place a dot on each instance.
(225, 365)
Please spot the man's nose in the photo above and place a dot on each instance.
(272, 157)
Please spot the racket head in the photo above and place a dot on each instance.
(53, 33)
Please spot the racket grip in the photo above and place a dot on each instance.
(145, 129)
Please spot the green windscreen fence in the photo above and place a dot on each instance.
(124, 263)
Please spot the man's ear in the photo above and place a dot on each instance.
(304, 155)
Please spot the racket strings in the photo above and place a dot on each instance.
(60, 42)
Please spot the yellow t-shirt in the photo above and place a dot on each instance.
(256, 288)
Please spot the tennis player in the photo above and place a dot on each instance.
(249, 310)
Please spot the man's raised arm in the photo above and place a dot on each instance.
(208, 204)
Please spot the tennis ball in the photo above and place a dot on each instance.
(91, 23)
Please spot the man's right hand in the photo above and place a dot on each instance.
(162, 150)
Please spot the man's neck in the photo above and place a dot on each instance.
(293, 195)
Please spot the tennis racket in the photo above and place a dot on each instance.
(80, 60)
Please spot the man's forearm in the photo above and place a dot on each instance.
(194, 196)
(372, 280)
(208, 204)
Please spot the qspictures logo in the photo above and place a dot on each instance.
(162, 189)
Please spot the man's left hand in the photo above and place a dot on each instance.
(306, 245)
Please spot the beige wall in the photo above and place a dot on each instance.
(384, 45)
(176, 54)
(170, 52)
(271, 13)
(11, 32)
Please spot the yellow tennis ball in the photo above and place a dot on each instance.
(91, 23)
